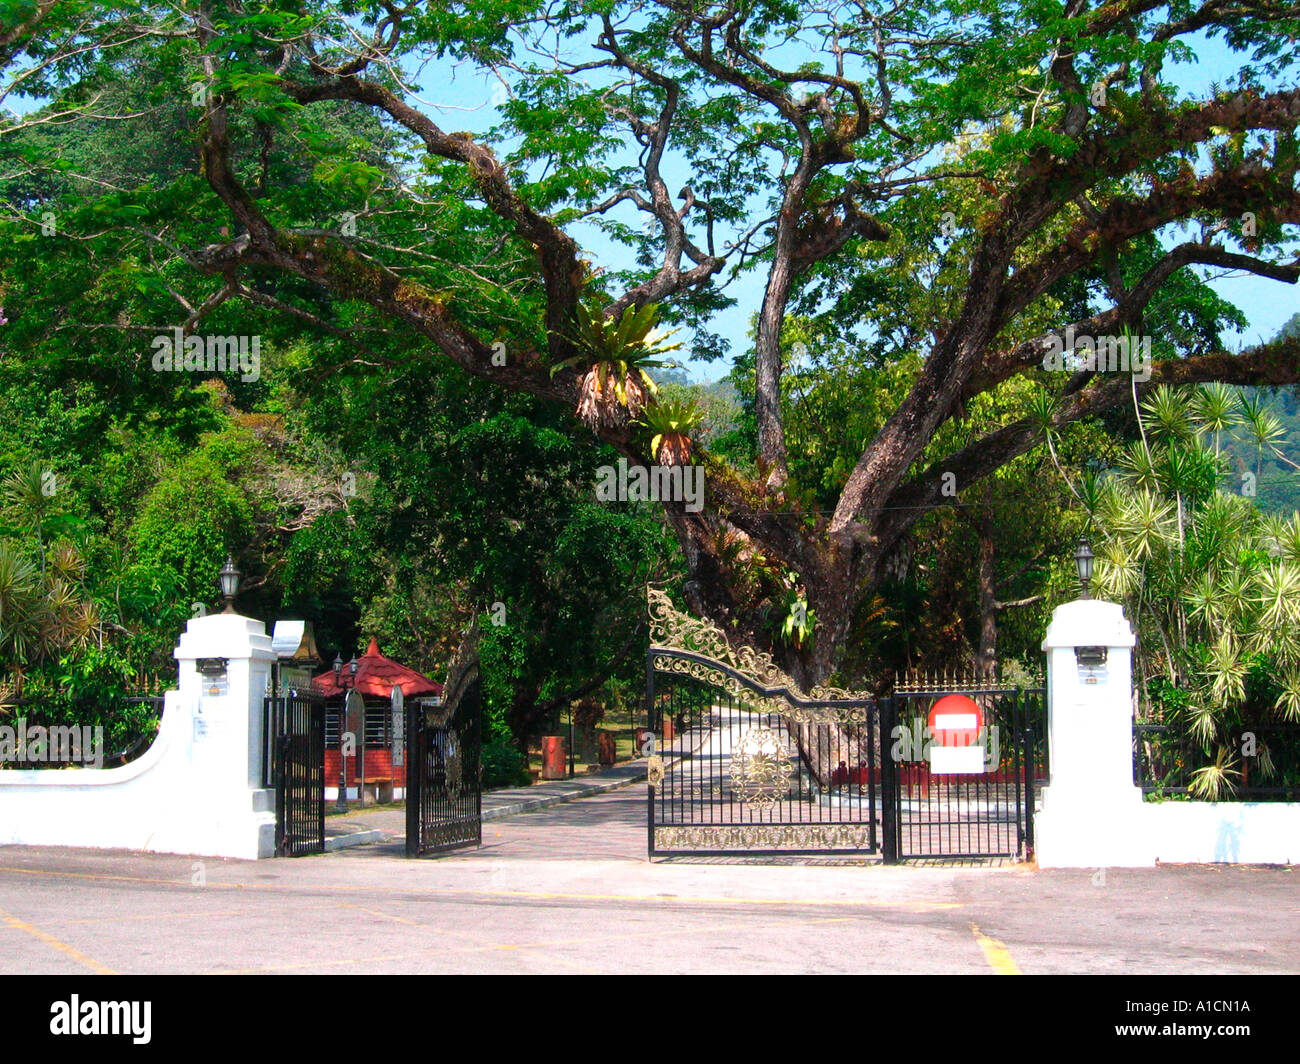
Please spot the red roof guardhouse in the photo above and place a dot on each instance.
(375, 678)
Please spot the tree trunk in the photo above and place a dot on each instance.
(986, 657)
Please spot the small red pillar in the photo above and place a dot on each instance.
(554, 758)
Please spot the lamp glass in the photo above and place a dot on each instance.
(1083, 562)
(229, 577)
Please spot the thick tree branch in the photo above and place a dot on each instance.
(1276, 363)
(562, 273)
(669, 279)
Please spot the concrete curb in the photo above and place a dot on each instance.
(597, 783)
(354, 838)
(574, 789)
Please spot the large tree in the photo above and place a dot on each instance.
(1038, 156)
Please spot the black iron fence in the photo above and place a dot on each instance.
(105, 734)
(983, 808)
(1250, 762)
(444, 808)
(294, 752)
(750, 770)
(747, 763)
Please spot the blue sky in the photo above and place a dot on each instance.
(462, 97)
(1267, 304)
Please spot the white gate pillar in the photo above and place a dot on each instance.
(196, 790)
(228, 698)
(1092, 815)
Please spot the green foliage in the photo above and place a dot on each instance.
(671, 415)
(1213, 582)
(670, 423)
(799, 622)
(617, 357)
(630, 342)
(471, 498)
(504, 766)
(196, 515)
(90, 689)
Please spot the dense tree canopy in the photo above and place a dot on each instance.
(931, 193)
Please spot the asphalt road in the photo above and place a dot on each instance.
(568, 889)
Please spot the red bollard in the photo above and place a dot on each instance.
(555, 764)
(606, 751)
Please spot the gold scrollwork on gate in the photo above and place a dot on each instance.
(765, 837)
(672, 630)
(455, 771)
(760, 767)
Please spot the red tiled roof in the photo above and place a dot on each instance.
(377, 675)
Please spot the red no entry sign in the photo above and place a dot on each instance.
(955, 720)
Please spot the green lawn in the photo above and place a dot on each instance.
(624, 743)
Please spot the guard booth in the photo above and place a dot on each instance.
(365, 731)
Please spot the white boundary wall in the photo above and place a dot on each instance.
(1224, 832)
(1092, 814)
(196, 790)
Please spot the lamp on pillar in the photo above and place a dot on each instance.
(228, 578)
(1083, 563)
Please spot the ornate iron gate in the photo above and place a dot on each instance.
(295, 756)
(976, 814)
(443, 778)
(746, 763)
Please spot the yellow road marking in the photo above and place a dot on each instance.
(995, 953)
(389, 891)
(551, 958)
(18, 925)
(479, 945)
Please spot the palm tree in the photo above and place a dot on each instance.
(1169, 414)
(43, 614)
(1261, 427)
(22, 628)
(29, 500)
(1216, 407)
(1209, 580)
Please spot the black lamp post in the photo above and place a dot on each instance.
(228, 578)
(342, 805)
(1083, 563)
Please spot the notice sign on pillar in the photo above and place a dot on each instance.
(397, 702)
(955, 722)
(213, 689)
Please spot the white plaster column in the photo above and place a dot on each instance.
(196, 790)
(1092, 814)
(227, 730)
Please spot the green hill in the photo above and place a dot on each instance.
(1277, 483)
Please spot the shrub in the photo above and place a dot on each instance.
(504, 766)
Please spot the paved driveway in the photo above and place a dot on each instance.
(568, 889)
